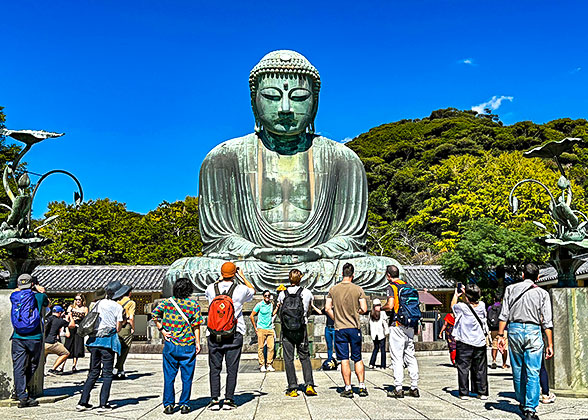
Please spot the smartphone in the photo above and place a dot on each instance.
(460, 287)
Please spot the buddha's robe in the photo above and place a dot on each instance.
(252, 197)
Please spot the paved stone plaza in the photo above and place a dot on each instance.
(261, 396)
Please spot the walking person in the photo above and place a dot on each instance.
(349, 302)
(448, 324)
(294, 304)
(178, 319)
(226, 328)
(75, 343)
(28, 305)
(378, 331)
(526, 308)
(53, 325)
(493, 322)
(127, 330)
(403, 302)
(470, 334)
(264, 328)
(103, 344)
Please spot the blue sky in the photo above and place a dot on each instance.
(144, 89)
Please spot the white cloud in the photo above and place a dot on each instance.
(576, 70)
(346, 139)
(492, 104)
(467, 61)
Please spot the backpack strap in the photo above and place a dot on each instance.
(477, 318)
(228, 293)
(299, 292)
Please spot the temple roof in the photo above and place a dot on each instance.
(149, 278)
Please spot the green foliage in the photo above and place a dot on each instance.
(484, 246)
(105, 232)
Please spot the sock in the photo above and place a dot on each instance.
(361, 385)
(347, 387)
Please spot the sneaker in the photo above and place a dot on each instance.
(464, 397)
(395, 393)
(105, 408)
(414, 392)
(74, 369)
(292, 393)
(185, 409)
(371, 367)
(29, 402)
(310, 391)
(363, 392)
(120, 376)
(262, 368)
(482, 397)
(84, 406)
(229, 404)
(169, 409)
(347, 393)
(270, 368)
(54, 372)
(214, 405)
(548, 399)
(531, 415)
(493, 365)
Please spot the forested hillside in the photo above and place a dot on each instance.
(430, 176)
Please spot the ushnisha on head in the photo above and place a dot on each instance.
(284, 93)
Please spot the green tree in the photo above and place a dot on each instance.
(97, 232)
(167, 233)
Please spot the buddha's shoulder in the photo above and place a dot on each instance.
(334, 146)
(233, 146)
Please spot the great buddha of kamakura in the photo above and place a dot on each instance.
(283, 197)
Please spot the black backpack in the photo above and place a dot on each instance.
(493, 314)
(292, 312)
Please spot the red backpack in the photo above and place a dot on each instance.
(221, 314)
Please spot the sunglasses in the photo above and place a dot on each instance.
(266, 296)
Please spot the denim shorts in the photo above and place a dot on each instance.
(346, 338)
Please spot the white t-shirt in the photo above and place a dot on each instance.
(306, 296)
(241, 294)
(110, 312)
(467, 329)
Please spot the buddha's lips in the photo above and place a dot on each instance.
(286, 121)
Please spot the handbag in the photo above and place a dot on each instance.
(88, 325)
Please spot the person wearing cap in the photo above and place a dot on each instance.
(27, 348)
(103, 343)
(230, 348)
(55, 322)
(378, 331)
(123, 297)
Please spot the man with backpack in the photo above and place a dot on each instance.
(493, 321)
(526, 308)
(348, 301)
(403, 302)
(294, 303)
(226, 328)
(28, 303)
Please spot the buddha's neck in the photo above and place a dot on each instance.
(286, 145)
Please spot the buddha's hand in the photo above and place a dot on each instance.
(287, 255)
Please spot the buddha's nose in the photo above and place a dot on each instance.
(285, 105)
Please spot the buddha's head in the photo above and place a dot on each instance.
(284, 94)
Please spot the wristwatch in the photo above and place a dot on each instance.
(160, 329)
(500, 335)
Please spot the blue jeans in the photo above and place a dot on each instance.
(330, 339)
(178, 357)
(101, 361)
(25, 358)
(526, 354)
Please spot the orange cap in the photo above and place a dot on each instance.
(228, 270)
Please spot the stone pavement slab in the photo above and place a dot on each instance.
(261, 396)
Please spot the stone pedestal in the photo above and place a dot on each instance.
(568, 370)
(6, 380)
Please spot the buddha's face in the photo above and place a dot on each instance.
(285, 104)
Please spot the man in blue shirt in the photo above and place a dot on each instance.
(264, 328)
(27, 348)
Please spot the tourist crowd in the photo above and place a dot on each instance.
(106, 328)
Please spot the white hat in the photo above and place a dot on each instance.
(377, 302)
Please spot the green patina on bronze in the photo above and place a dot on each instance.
(16, 235)
(283, 197)
(570, 236)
